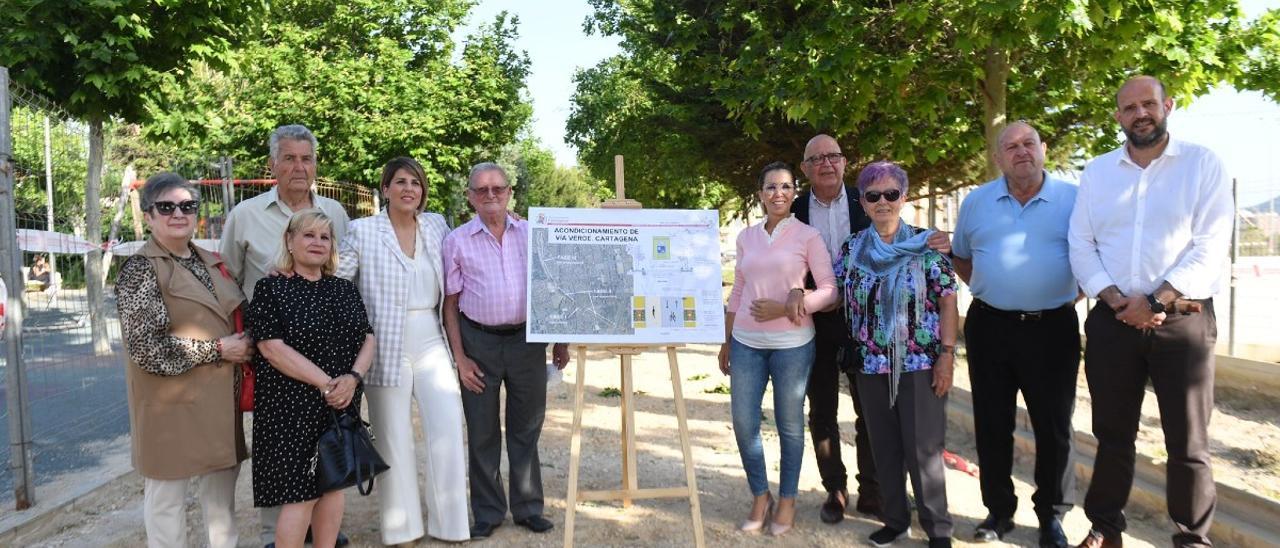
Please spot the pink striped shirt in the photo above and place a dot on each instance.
(490, 276)
(768, 270)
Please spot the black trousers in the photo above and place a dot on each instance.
(1177, 358)
(1041, 358)
(824, 405)
(520, 366)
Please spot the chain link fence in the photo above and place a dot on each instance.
(64, 405)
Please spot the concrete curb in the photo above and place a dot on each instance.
(1242, 518)
(44, 519)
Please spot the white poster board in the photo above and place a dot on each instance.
(624, 276)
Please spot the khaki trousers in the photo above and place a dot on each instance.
(165, 514)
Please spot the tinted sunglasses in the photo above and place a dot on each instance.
(188, 207)
(889, 195)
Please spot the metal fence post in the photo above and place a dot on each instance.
(10, 265)
(1235, 255)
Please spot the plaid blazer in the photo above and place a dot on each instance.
(370, 256)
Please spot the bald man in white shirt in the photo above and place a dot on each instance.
(1149, 237)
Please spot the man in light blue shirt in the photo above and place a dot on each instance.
(1021, 331)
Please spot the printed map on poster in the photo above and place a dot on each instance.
(626, 276)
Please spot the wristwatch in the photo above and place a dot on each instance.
(1157, 307)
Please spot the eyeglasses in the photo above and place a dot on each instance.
(889, 195)
(775, 188)
(188, 207)
(818, 159)
(491, 190)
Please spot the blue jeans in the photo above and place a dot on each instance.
(750, 370)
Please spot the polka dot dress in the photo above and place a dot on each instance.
(325, 321)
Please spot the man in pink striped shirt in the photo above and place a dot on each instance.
(485, 269)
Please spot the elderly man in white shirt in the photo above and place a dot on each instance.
(254, 231)
(1149, 238)
(255, 227)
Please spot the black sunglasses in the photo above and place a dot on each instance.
(874, 196)
(188, 207)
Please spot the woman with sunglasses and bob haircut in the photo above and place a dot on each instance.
(176, 312)
(767, 340)
(899, 298)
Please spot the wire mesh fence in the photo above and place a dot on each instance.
(74, 394)
(75, 407)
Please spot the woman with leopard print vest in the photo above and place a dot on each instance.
(176, 311)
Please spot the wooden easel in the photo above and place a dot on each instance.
(630, 486)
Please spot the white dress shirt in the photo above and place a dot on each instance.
(1136, 228)
(831, 220)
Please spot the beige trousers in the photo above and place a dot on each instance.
(165, 514)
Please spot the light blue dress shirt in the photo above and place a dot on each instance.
(1019, 253)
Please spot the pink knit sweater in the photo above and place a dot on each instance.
(770, 270)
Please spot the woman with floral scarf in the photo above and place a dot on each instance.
(899, 298)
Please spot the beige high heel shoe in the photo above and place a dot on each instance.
(751, 526)
(777, 529)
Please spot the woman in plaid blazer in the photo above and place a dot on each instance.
(394, 258)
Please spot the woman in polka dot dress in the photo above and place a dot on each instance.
(315, 345)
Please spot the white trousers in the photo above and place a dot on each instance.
(165, 514)
(427, 376)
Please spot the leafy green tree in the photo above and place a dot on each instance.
(373, 79)
(539, 182)
(1262, 48)
(712, 90)
(99, 60)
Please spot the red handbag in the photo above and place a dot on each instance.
(245, 402)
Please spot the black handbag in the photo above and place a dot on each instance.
(345, 456)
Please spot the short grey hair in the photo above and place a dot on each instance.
(483, 167)
(157, 185)
(291, 132)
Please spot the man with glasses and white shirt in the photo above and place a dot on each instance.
(485, 269)
(1148, 239)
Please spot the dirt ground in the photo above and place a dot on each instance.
(1244, 433)
(113, 517)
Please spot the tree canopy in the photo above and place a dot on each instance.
(99, 60)
(707, 92)
(373, 79)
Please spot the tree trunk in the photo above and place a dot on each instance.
(121, 203)
(995, 87)
(93, 233)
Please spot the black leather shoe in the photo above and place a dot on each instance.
(482, 529)
(537, 524)
(833, 509)
(1051, 534)
(992, 529)
(342, 539)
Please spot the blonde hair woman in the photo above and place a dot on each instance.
(315, 345)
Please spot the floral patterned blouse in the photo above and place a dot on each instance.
(858, 288)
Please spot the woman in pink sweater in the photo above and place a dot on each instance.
(769, 335)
